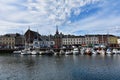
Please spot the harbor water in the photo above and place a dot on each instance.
(70, 67)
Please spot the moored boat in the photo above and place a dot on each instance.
(69, 52)
(34, 52)
(62, 52)
(17, 52)
(88, 51)
(26, 52)
(75, 51)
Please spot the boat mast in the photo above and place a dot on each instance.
(29, 37)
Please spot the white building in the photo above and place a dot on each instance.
(73, 40)
(118, 41)
(43, 44)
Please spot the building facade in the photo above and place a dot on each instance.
(103, 39)
(118, 41)
(57, 39)
(91, 40)
(43, 44)
(112, 41)
(11, 40)
(7, 42)
(30, 36)
(20, 41)
(73, 40)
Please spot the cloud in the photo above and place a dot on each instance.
(70, 15)
(101, 18)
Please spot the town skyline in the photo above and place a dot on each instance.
(60, 33)
(78, 17)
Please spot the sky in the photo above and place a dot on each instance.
(78, 17)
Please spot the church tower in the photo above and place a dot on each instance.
(57, 38)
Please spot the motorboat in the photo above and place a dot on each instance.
(17, 52)
(62, 52)
(88, 51)
(75, 51)
(98, 51)
(115, 51)
(34, 52)
(118, 52)
(56, 53)
(26, 52)
(68, 52)
(108, 51)
(102, 52)
(82, 50)
(49, 52)
(42, 52)
(94, 52)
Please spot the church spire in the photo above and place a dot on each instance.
(57, 32)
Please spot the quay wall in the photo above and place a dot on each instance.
(41, 49)
(6, 50)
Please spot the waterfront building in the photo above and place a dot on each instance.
(57, 38)
(8, 41)
(102, 39)
(19, 41)
(107, 40)
(43, 42)
(112, 41)
(73, 40)
(0, 42)
(118, 41)
(35, 40)
(91, 40)
(30, 36)
(11, 40)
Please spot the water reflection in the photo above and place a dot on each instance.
(71, 67)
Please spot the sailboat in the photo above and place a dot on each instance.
(49, 50)
(36, 51)
(27, 50)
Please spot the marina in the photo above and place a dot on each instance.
(59, 40)
(70, 51)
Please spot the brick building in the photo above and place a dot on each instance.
(30, 36)
(57, 39)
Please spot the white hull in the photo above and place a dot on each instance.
(68, 53)
(34, 52)
(17, 52)
(26, 52)
(75, 51)
(62, 52)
